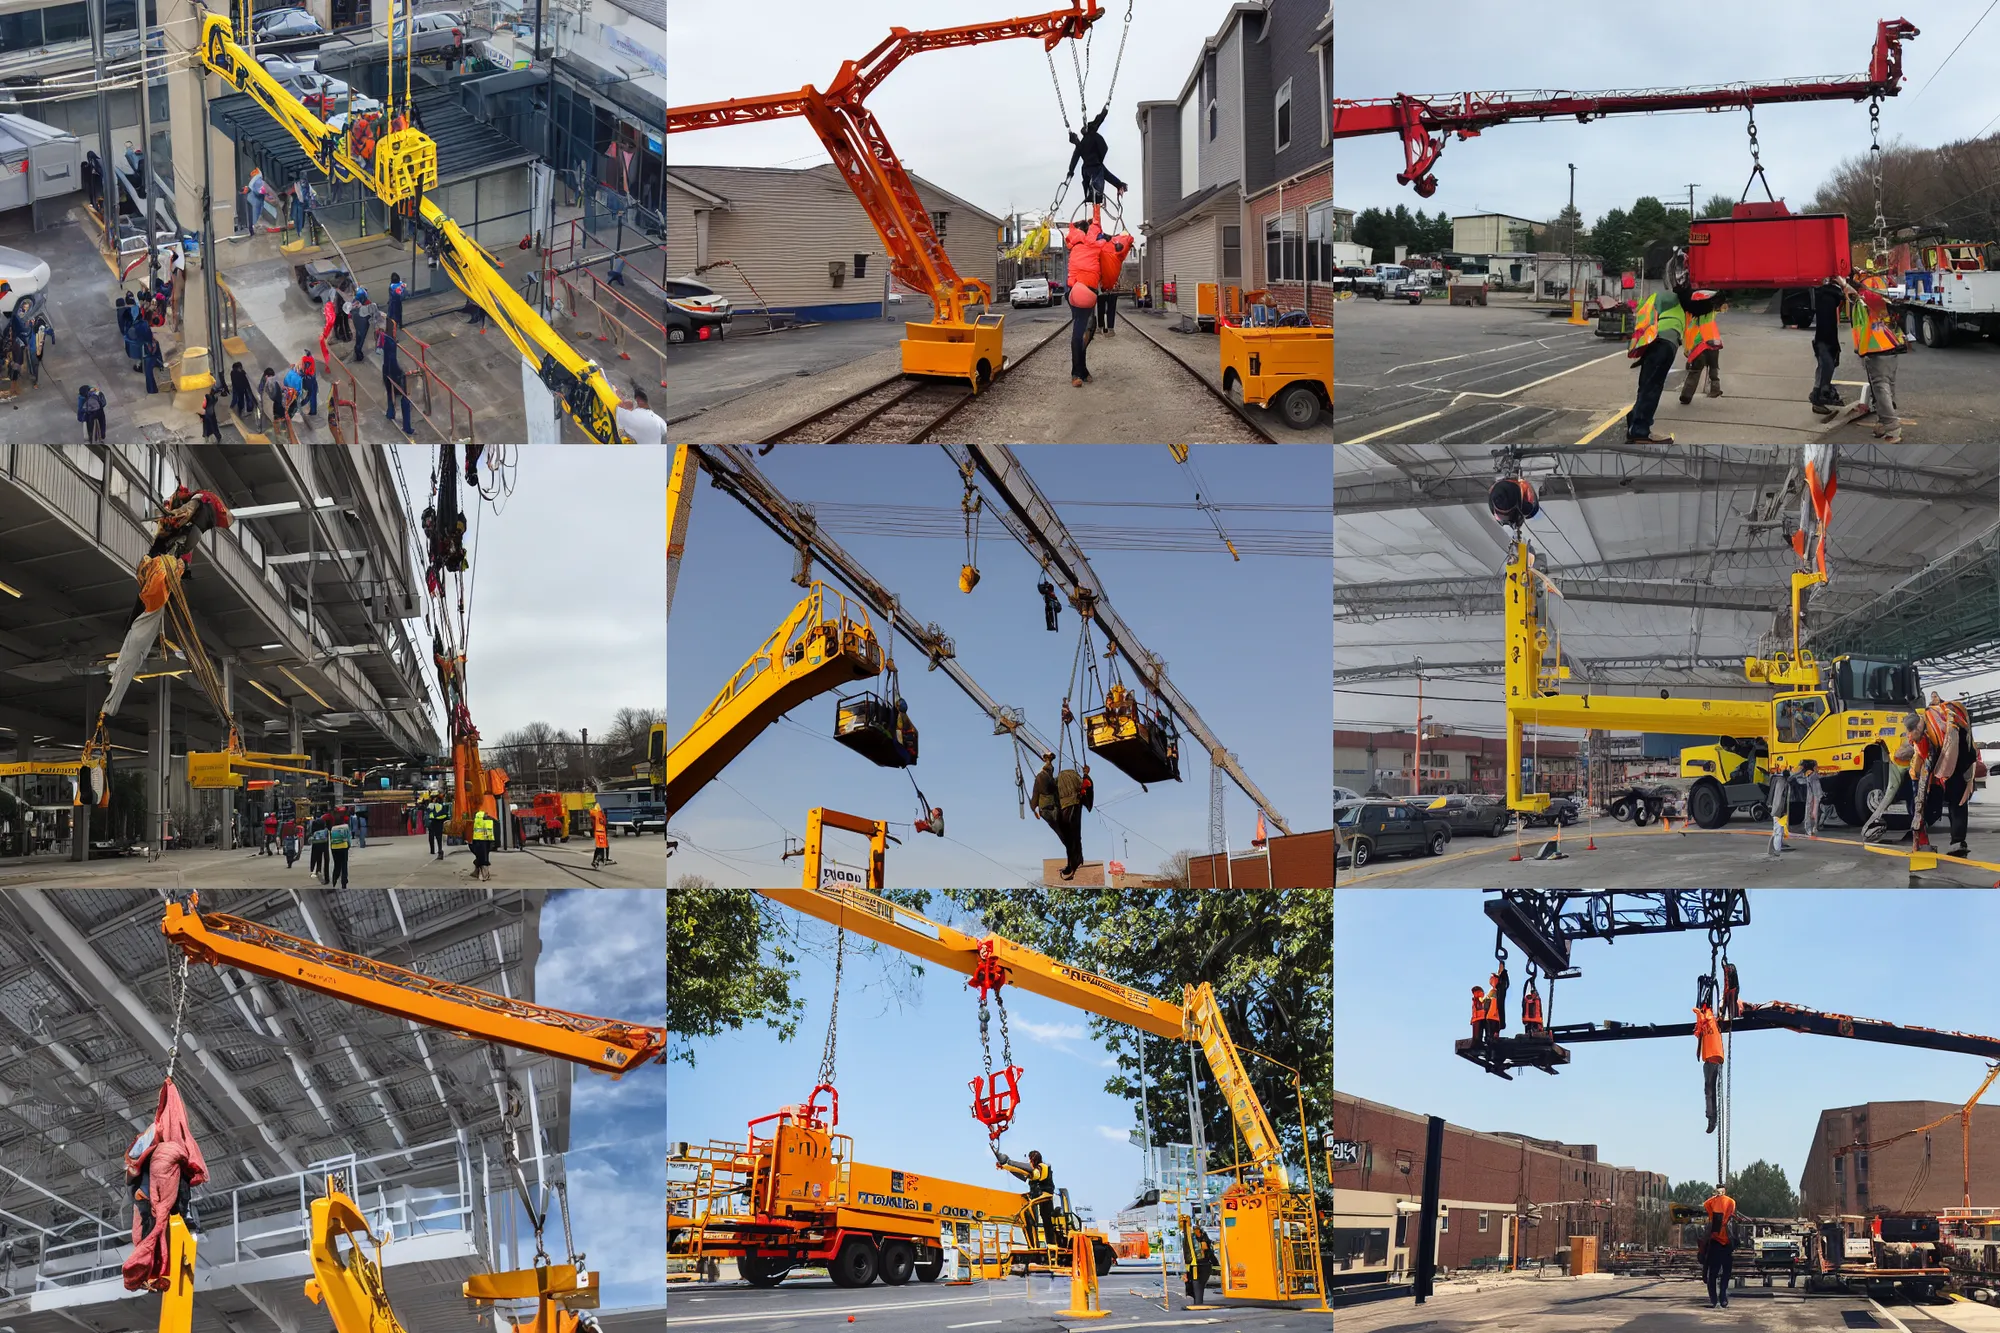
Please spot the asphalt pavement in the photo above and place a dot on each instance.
(702, 375)
(1513, 373)
(385, 863)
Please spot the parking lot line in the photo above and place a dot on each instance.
(1598, 429)
(1391, 430)
(1508, 393)
(781, 1312)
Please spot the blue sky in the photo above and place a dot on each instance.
(1248, 642)
(604, 952)
(902, 1071)
(1405, 962)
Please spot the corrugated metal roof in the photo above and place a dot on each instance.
(466, 147)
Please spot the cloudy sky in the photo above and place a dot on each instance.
(1443, 46)
(604, 952)
(567, 577)
(980, 121)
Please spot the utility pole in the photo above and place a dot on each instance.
(1417, 773)
(1575, 305)
(107, 195)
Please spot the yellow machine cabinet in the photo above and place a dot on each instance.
(805, 1171)
(1249, 1248)
(1289, 369)
(970, 352)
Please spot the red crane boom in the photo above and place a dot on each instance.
(862, 153)
(1423, 121)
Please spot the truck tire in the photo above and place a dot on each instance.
(1360, 849)
(1438, 842)
(1298, 405)
(927, 1270)
(1937, 330)
(899, 1259)
(1868, 786)
(1105, 1256)
(1707, 806)
(1643, 814)
(761, 1270)
(855, 1265)
(1621, 809)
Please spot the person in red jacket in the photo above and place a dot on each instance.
(1086, 248)
(1110, 262)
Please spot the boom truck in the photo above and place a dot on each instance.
(809, 1205)
(345, 1280)
(1845, 714)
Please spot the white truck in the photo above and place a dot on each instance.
(1942, 306)
(1393, 280)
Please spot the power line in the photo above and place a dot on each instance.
(1954, 50)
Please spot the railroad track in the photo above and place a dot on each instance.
(1242, 412)
(895, 410)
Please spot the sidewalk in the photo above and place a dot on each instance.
(1766, 374)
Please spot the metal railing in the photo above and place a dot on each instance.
(423, 1190)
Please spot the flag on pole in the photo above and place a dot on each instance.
(1114, 867)
(1258, 840)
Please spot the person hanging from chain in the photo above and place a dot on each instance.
(1497, 986)
(1708, 1047)
(1532, 1022)
(1051, 604)
(163, 1164)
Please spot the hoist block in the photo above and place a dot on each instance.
(1138, 743)
(867, 724)
(1767, 245)
(406, 165)
(995, 1098)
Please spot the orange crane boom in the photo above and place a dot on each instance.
(1422, 122)
(604, 1044)
(860, 150)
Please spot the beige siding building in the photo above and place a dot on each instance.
(800, 240)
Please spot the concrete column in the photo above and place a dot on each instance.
(162, 755)
(79, 815)
(187, 108)
(292, 715)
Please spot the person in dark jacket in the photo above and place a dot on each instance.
(152, 358)
(1827, 303)
(135, 330)
(210, 427)
(361, 310)
(1090, 151)
(395, 380)
(242, 397)
(90, 411)
(1070, 805)
(1201, 1267)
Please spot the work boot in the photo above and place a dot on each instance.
(1649, 439)
(1715, 391)
(1960, 850)
(1687, 398)
(1075, 383)
(1892, 437)
(1823, 409)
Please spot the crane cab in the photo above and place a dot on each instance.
(874, 728)
(1140, 742)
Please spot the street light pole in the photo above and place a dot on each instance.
(1575, 305)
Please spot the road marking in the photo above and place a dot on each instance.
(977, 1323)
(1599, 428)
(778, 1312)
(1489, 351)
(1904, 1328)
(1391, 430)
(1471, 393)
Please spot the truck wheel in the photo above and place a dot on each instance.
(1642, 814)
(899, 1258)
(761, 1271)
(1937, 331)
(855, 1265)
(1360, 850)
(1298, 405)
(1105, 1256)
(928, 1270)
(1621, 810)
(1706, 804)
(1759, 813)
(1438, 843)
(1869, 784)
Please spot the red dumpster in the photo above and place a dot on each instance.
(1767, 245)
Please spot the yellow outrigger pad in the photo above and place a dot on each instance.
(1930, 860)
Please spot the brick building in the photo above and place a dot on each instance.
(1285, 861)
(1386, 759)
(1922, 1172)
(1488, 1178)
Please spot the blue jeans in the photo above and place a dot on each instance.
(1655, 364)
(312, 394)
(393, 388)
(1080, 321)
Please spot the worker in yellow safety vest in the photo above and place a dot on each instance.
(1704, 345)
(1656, 339)
(1878, 342)
(481, 843)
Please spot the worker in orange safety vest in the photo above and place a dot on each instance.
(1496, 997)
(1704, 345)
(1708, 1040)
(1479, 1009)
(1718, 1246)
(1878, 342)
(1531, 1011)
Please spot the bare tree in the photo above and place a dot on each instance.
(1954, 189)
(629, 729)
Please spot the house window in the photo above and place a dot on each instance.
(1284, 254)
(1319, 243)
(937, 223)
(1444, 1222)
(861, 266)
(1283, 119)
(1232, 253)
(1482, 1221)
(1211, 118)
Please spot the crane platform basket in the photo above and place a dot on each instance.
(866, 724)
(1139, 742)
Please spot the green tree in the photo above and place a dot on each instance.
(1761, 1190)
(1568, 224)
(1269, 957)
(1718, 206)
(1611, 240)
(720, 974)
(1692, 1192)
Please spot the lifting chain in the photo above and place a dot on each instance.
(1056, 81)
(1119, 62)
(1756, 160)
(569, 1237)
(1879, 243)
(833, 1011)
(177, 984)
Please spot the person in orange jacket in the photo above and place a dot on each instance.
(1085, 247)
(1531, 1011)
(1478, 1015)
(600, 837)
(1718, 1246)
(1708, 1044)
(1110, 262)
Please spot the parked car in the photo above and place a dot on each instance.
(1470, 814)
(284, 25)
(1345, 794)
(1031, 291)
(1562, 811)
(1370, 829)
(695, 296)
(684, 325)
(24, 274)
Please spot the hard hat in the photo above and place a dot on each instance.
(1704, 295)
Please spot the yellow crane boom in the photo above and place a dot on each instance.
(405, 165)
